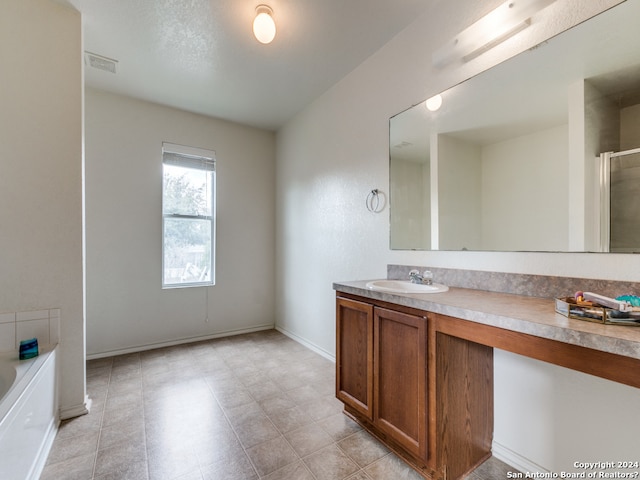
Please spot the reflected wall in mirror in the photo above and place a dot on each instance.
(511, 160)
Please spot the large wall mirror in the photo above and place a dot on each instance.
(512, 159)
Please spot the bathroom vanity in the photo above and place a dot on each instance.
(416, 370)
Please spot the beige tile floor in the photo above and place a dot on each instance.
(254, 406)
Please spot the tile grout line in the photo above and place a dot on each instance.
(280, 432)
(314, 422)
(360, 468)
(144, 423)
(224, 412)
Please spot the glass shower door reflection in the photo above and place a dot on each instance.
(624, 201)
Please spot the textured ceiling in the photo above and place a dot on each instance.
(201, 56)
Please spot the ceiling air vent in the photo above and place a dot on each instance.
(100, 62)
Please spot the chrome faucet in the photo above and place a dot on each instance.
(425, 279)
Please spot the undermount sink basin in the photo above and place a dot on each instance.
(405, 286)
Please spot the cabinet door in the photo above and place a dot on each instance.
(400, 379)
(354, 355)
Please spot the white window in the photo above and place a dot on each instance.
(188, 216)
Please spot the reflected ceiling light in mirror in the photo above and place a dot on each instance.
(434, 103)
(264, 28)
(494, 28)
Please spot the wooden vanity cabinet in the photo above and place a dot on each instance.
(381, 373)
(400, 379)
(354, 355)
(462, 398)
(428, 395)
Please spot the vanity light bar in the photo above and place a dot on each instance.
(494, 28)
(497, 41)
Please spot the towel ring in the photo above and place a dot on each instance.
(373, 201)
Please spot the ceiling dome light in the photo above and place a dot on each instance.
(264, 28)
(434, 103)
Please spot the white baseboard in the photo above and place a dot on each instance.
(310, 346)
(75, 410)
(515, 460)
(179, 341)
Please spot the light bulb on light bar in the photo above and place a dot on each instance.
(494, 28)
(264, 28)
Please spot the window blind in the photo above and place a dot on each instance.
(188, 157)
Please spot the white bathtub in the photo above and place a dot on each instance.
(28, 413)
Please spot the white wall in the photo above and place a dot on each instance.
(411, 193)
(41, 176)
(602, 134)
(126, 306)
(630, 127)
(459, 194)
(336, 150)
(533, 172)
(548, 417)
